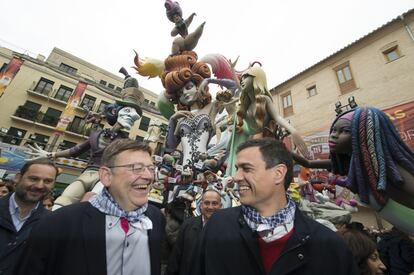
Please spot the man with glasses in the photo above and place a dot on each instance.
(115, 232)
(183, 252)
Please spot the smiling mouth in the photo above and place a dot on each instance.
(141, 186)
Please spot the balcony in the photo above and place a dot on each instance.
(37, 117)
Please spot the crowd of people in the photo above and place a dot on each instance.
(232, 207)
(120, 231)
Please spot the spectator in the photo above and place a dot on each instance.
(182, 255)
(397, 252)
(21, 210)
(48, 202)
(365, 252)
(4, 189)
(268, 234)
(115, 232)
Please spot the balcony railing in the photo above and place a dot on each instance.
(36, 116)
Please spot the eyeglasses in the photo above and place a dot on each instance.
(137, 168)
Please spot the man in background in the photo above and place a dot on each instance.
(183, 252)
(21, 210)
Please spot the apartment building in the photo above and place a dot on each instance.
(376, 70)
(35, 99)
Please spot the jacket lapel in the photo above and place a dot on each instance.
(250, 240)
(5, 217)
(93, 229)
(294, 254)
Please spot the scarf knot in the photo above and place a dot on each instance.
(106, 204)
(257, 222)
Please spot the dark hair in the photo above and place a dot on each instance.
(120, 145)
(273, 152)
(41, 161)
(361, 247)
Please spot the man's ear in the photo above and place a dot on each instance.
(17, 177)
(280, 171)
(105, 175)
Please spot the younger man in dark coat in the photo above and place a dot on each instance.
(268, 234)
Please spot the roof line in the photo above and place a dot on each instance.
(273, 90)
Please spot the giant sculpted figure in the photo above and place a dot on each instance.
(120, 116)
(365, 146)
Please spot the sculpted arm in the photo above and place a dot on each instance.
(297, 139)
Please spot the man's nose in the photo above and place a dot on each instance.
(238, 176)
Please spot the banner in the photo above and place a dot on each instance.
(12, 157)
(9, 72)
(401, 115)
(403, 118)
(69, 112)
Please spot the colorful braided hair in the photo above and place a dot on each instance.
(377, 148)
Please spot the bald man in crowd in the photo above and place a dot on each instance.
(184, 249)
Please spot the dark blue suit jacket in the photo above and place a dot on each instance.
(72, 241)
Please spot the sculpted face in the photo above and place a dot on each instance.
(127, 116)
(189, 95)
(340, 138)
(246, 82)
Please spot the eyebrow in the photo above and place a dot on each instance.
(243, 165)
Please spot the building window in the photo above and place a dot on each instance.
(392, 54)
(39, 139)
(88, 101)
(152, 103)
(51, 117)
(345, 79)
(145, 122)
(64, 93)
(312, 91)
(14, 136)
(146, 101)
(118, 89)
(102, 82)
(77, 125)
(111, 86)
(44, 86)
(67, 68)
(102, 106)
(139, 138)
(287, 104)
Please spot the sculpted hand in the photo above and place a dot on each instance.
(300, 144)
(38, 153)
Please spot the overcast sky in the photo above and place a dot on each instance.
(285, 36)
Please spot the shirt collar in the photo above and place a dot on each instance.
(145, 223)
(15, 208)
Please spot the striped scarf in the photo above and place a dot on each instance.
(258, 223)
(105, 203)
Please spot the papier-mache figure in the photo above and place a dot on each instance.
(365, 146)
(257, 116)
(121, 115)
(186, 41)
